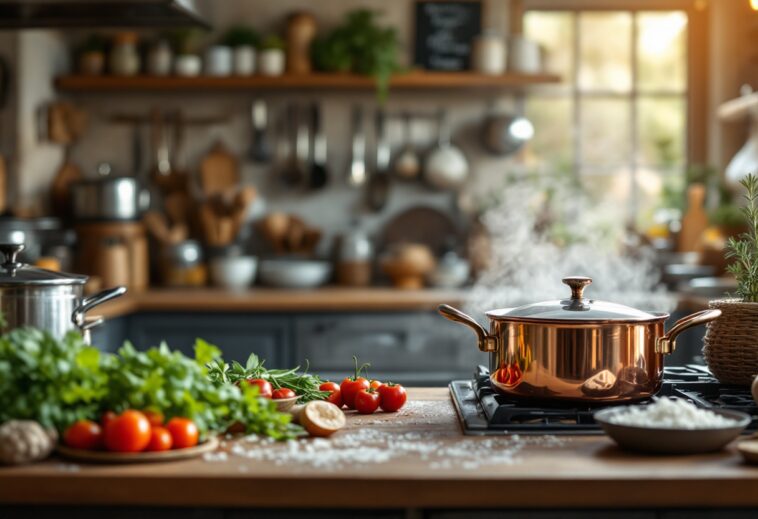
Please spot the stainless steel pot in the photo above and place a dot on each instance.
(577, 349)
(108, 197)
(44, 299)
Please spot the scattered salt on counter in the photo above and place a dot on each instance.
(671, 413)
(216, 456)
(364, 447)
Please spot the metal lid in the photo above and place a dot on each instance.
(15, 273)
(576, 309)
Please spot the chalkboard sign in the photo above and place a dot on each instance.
(445, 31)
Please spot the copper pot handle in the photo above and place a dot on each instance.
(487, 342)
(667, 343)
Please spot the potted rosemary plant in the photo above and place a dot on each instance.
(731, 342)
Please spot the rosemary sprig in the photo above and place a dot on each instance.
(303, 384)
(744, 251)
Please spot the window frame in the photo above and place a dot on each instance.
(695, 94)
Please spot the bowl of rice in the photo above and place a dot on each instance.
(671, 426)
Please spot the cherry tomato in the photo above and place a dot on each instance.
(366, 401)
(350, 387)
(84, 434)
(283, 392)
(155, 418)
(160, 439)
(393, 397)
(128, 432)
(375, 384)
(183, 431)
(335, 395)
(264, 386)
(107, 417)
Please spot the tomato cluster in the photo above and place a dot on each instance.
(132, 431)
(365, 396)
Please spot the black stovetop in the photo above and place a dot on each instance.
(482, 411)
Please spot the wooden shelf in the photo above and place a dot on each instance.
(409, 81)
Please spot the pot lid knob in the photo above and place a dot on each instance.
(577, 284)
(11, 252)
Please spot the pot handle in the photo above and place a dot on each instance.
(667, 343)
(92, 301)
(487, 342)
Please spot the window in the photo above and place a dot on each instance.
(619, 118)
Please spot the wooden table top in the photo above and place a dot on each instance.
(431, 465)
(279, 300)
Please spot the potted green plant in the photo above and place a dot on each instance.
(731, 341)
(243, 40)
(92, 55)
(272, 57)
(359, 46)
(186, 44)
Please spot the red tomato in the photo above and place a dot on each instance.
(183, 431)
(283, 392)
(84, 434)
(375, 384)
(350, 387)
(366, 401)
(128, 432)
(160, 439)
(264, 386)
(107, 417)
(335, 395)
(393, 397)
(155, 418)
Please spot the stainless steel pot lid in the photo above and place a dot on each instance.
(15, 273)
(575, 309)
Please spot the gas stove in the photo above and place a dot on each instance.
(483, 412)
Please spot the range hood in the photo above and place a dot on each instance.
(32, 14)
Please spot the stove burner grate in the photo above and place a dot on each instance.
(482, 411)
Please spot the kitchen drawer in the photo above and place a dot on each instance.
(402, 342)
(237, 335)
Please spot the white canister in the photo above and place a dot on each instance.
(489, 54)
(218, 61)
(524, 55)
(159, 59)
(271, 62)
(244, 60)
(188, 65)
(124, 58)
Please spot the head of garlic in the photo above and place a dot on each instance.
(24, 441)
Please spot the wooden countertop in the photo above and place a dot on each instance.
(278, 300)
(578, 471)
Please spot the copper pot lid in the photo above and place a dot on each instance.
(17, 274)
(575, 309)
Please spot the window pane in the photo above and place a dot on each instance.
(605, 40)
(605, 132)
(662, 50)
(555, 32)
(661, 130)
(551, 117)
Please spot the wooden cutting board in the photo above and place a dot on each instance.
(219, 173)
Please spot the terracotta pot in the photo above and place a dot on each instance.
(731, 342)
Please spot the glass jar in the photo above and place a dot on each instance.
(124, 58)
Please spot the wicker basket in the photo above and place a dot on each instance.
(731, 342)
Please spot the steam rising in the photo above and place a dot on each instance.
(543, 229)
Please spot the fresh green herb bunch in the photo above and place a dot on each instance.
(361, 46)
(52, 381)
(744, 251)
(303, 384)
(180, 386)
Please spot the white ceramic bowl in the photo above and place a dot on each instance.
(295, 273)
(233, 273)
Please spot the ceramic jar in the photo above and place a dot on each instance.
(124, 58)
(160, 59)
(244, 60)
(187, 65)
(218, 60)
(489, 54)
(271, 62)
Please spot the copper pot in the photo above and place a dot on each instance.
(577, 349)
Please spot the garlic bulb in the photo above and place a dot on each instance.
(24, 441)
